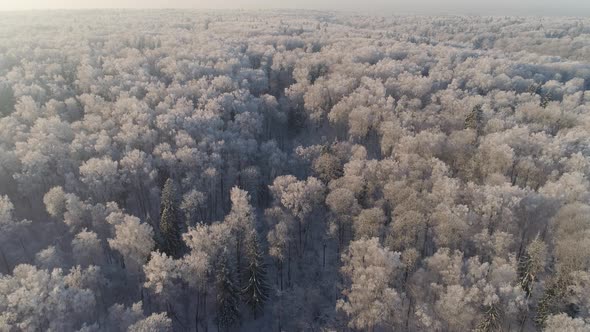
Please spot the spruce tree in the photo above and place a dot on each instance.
(170, 242)
(492, 320)
(550, 300)
(7, 100)
(256, 289)
(475, 120)
(227, 299)
(545, 99)
(531, 263)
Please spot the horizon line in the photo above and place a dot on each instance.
(391, 12)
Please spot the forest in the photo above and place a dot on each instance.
(282, 170)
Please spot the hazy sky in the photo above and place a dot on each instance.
(491, 7)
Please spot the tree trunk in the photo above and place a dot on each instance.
(281, 274)
(324, 257)
(205, 319)
(289, 267)
(7, 266)
(300, 238)
(238, 258)
(197, 311)
(409, 312)
(22, 244)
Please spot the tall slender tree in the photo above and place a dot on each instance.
(228, 296)
(492, 319)
(256, 289)
(7, 100)
(241, 220)
(531, 264)
(475, 120)
(170, 241)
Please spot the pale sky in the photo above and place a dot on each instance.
(481, 7)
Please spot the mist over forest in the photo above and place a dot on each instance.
(168, 170)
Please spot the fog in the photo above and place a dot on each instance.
(482, 7)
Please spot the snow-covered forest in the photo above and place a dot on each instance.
(293, 171)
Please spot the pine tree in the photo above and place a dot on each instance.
(475, 120)
(170, 242)
(545, 99)
(7, 100)
(256, 290)
(228, 313)
(492, 320)
(550, 300)
(531, 264)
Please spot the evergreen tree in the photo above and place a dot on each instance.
(531, 264)
(7, 100)
(475, 120)
(227, 300)
(256, 290)
(550, 300)
(170, 242)
(492, 320)
(545, 99)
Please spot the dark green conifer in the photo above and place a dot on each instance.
(492, 320)
(227, 299)
(475, 120)
(170, 242)
(7, 100)
(256, 289)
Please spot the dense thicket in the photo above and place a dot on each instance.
(290, 171)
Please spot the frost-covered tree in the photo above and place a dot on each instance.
(563, 322)
(371, 300)
(37, 299)
(241, 221)
(327, 166)
(55, 202)
(193, 205)
(134, 240)
(102, 178)
(155, 322)
(300, 198)
(121, 318)
(369, 223)
(87, 248)
(343, 204)
(460, 142)
(161, 273)
(10, 228)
